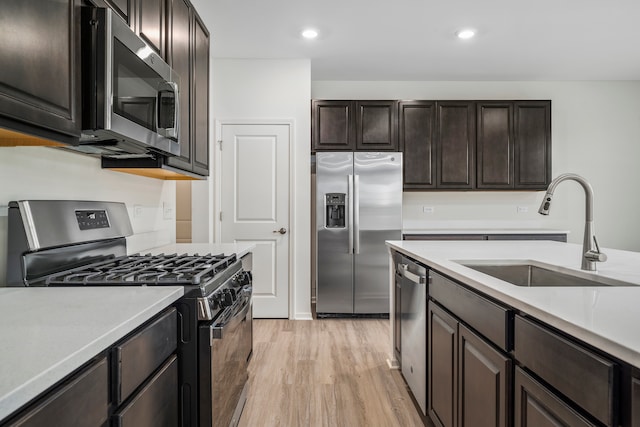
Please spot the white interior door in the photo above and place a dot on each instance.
(255, 207)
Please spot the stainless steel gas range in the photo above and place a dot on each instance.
(83, 243)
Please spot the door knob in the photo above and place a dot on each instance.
(281, 231)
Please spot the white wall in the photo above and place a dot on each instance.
(48, 173)
(595, 133)
(264, 90)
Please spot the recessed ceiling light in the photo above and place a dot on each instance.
(465, 34)
(309, 34)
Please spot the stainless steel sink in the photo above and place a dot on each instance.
(531, 273)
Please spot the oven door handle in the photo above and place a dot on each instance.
(217, 331)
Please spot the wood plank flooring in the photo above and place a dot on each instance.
(329, 372)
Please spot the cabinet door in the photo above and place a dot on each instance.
(333, 125)
(455, 141)
(150, 23)
(536, 406)
(442, 353)
(200, 94)
(124, 8)
(495, 145)
(484, 383)
(40, 71)
(417, 130)
(376, 125)
(179, 55)
(532, 139)
(635, 402)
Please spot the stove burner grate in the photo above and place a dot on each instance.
(148, 269)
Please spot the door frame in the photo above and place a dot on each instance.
(217, 200)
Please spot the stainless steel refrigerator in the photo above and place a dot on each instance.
(358, 207)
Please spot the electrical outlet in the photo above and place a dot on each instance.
(137, 211)
(522, 209)
(428, 209)
(167, 211)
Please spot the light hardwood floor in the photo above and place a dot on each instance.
(329, 372)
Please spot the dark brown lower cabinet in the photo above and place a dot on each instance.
(132, 384)
(156, 404)
(442, 350)
(484, 383)
(81, 402)
(536, 406)
(469, 381)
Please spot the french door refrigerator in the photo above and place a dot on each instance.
(358, 207)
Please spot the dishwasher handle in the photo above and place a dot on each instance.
(415, 278)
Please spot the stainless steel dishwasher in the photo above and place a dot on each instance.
(413, 328)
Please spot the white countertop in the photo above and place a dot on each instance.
(47, 333)
(483, 231)
(240, 249)
(606, 317)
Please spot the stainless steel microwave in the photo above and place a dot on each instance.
(130, 99)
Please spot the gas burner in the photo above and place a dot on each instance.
(150, 270)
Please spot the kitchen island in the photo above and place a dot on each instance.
(605, 317)
(572, 350)
(48, 333)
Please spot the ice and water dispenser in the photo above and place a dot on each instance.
(335, 213)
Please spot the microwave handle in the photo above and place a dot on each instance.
(174, 131)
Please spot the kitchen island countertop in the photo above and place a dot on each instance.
(481, 230)
(47, 333)
(605, 317)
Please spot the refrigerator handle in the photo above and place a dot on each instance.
(350, 212)
(356, 214)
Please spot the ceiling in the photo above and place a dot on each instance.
(415, 39)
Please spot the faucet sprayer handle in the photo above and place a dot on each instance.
(596, 255)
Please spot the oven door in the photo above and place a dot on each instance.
(225, 348)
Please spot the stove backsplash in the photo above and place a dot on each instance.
(49, 173)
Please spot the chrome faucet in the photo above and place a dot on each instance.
(590, 249)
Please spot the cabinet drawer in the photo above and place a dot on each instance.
(156, 404)
(82, 402)
(140, 355)
(582, 376)
(536, 406)
(486, 317)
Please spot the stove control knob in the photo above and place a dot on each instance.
(226, 299)
(216, 301)
(244, 278)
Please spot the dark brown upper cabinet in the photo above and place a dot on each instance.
(188, 55)
(495, 145)
(333, 125)
(179, 56)
(148, 18)
(532, 139)
(417, 120)
(446, 145)
(150, 23)
(376, 125)
(514, 145)
(354, 125)
(455, 144)
(124, 8)
(200, 94)
(41, 39)
(438, 142)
